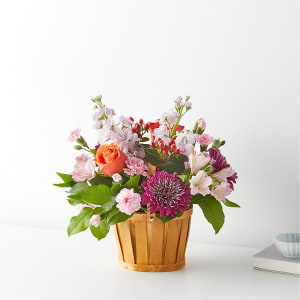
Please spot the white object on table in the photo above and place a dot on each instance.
(40, 264)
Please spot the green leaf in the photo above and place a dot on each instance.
(167, 219)
(97, 194)
(111, 213)
(108, 205)
(78, 187)
(231, 204)
(118, 218)
(65, 184)
(144, 139)
(175, 164)
(133, 182)
(217, 144)
(93, 151)
(101, 231)
(212, 210)
(65, 177)
(115, 189)
(80, 222)
(98, 211)
(151, 156)
(75, 199)
(101, 180)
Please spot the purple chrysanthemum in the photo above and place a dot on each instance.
(219, 162)
(166, 193)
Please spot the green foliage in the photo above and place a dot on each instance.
(67, 180)
(144, 139)
(231, 204)
(118, 218)
(75, 199)
(175, 164)
(212, 210)
(151, 156)
(78, 187)
(101, 231)
(218, 143)
(133, 182)
(101, 180)
(167, 219)
(98, 194)
(111, 213)
(108, 205)
(115, 189)
(80, 222)
(98, 101)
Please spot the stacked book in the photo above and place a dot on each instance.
(270, 259)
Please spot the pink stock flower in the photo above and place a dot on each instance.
(200, 183)
(221, 191)
(74, 135)
(134, 165)
(116, 177)
(84, 168)
(95, 220)
(201, 123)
(128, 201)
(204, 139)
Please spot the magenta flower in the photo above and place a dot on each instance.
(219, 162)
(166, 193)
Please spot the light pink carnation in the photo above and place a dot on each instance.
(201, 123)
(135, 166)
(204, 139)
(221, 191)
(84, 168)
(128, 201)
(116, 177)
(74, 135)
(200, 183)
(95, 220)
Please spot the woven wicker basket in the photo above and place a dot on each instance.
(146, 244)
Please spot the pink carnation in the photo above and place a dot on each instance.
(204, 139)
(221, 191)
(134, 166)
(74, 135)
(128, 201)
(95, 220)
(201, 124)
(84, 168)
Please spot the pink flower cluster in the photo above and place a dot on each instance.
(134, 165)
(74, 135)
(128, 201)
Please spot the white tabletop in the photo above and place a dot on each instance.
(40, 264)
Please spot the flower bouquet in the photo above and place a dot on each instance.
(143, 179)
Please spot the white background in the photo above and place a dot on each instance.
(237, 59)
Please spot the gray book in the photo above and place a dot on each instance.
(270, 259)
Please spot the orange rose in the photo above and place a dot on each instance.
(110, 159)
